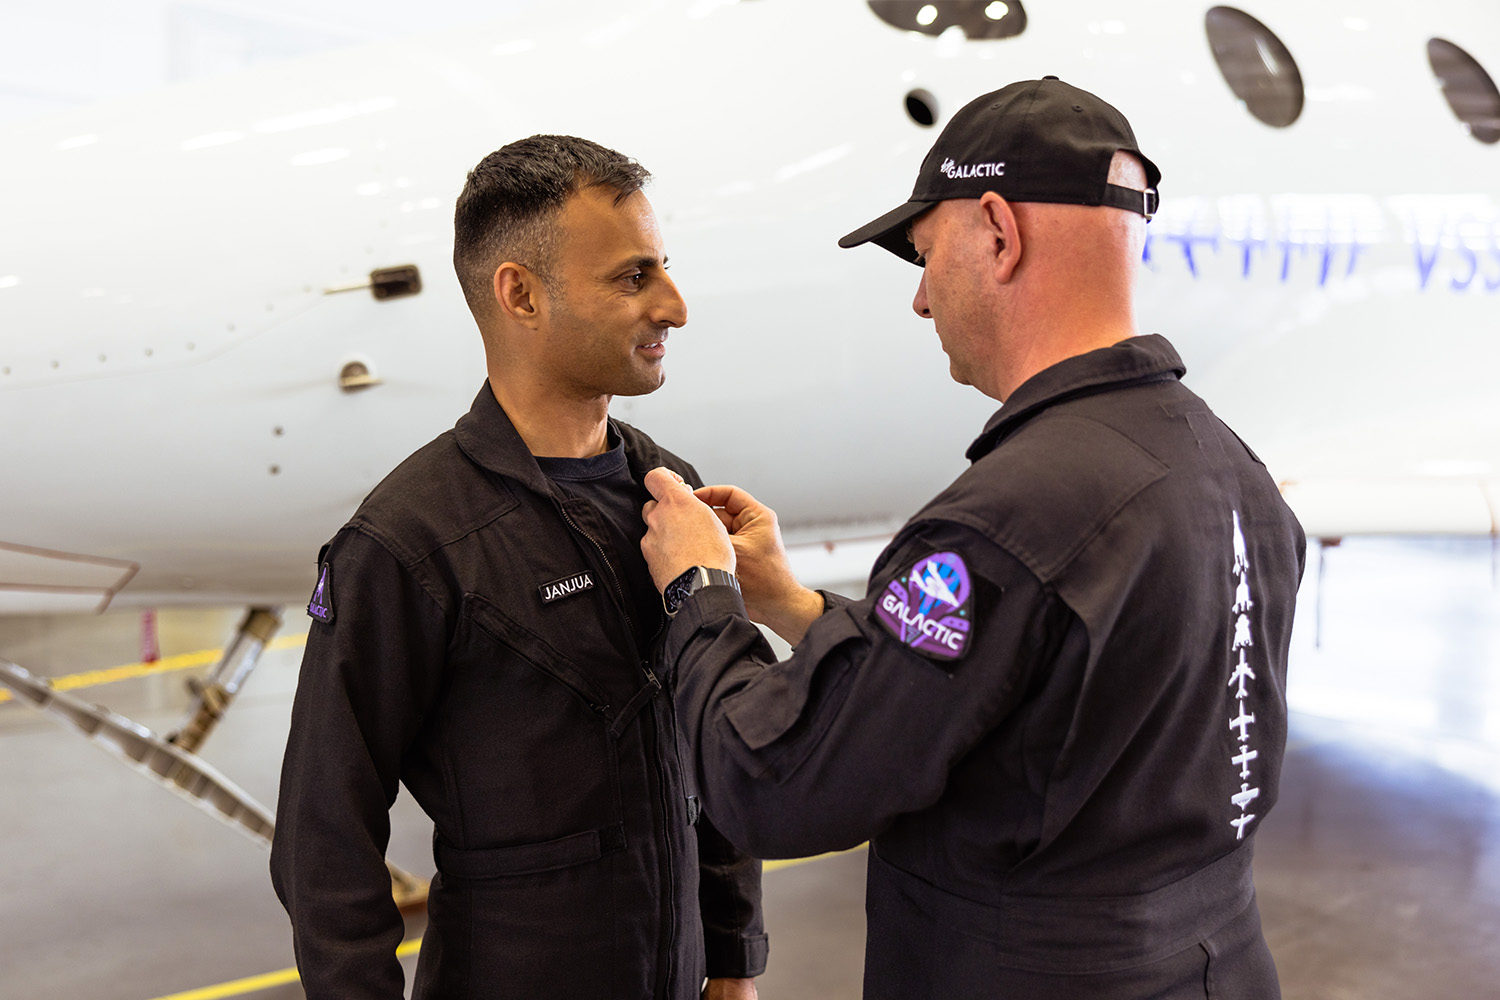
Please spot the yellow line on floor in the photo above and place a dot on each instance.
(167, 664)
(254, 984)
(771, 866)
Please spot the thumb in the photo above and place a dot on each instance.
(662, 481)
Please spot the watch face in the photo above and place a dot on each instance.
(678, 590)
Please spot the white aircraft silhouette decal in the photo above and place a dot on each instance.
(930, 582)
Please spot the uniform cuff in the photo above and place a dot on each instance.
(742, 957)
(703, 606)
(831, 601)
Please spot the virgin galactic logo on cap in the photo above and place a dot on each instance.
(955, 171)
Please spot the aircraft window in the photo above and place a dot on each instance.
(978, 19)
(1469, 90)
(922, 107)
(1257, 67)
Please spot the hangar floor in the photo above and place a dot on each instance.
(1379, 872)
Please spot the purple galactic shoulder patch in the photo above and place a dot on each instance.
(928, 609)
(321, 605)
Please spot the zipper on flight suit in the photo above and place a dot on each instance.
(604, 558)
(669, 888)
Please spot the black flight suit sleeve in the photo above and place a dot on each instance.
(734, 937)
(825, 749)
(366, 679)
(729, 894)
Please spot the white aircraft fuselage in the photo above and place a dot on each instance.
(170, 353)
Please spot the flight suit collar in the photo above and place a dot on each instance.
(1149, 358)
(488, 437)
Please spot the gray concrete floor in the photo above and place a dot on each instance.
(1378, 873)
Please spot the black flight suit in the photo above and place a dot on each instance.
(1059, 715)
(473, 644)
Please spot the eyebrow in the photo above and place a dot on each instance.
(645, 261)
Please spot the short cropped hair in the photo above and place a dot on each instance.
(508, 208)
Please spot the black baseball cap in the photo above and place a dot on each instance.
(1036, 140)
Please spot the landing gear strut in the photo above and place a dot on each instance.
(217, 690)
(172, 761)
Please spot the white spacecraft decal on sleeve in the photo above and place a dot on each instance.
(1239, 675)
(1242, 602)
(930, 582)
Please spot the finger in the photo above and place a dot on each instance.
(661, 481)
(749, 520)
(725, 517)
(731, 498)
(647, 509)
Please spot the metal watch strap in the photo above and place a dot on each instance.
(709, 577)
(693, 580)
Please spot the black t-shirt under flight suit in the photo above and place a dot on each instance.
(472, 642)
(605, 481)
(1058, 714)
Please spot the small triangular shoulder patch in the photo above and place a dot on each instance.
(321, 605)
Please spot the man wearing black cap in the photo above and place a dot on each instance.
(1059, 714)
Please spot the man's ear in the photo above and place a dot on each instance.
(518, 293)
(998, 220)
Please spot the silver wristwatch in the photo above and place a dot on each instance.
(690, 582)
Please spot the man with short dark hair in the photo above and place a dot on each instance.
(485, 633)
(1059, 713)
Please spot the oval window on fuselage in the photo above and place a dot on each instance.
(1468, 88)
(1256, 65)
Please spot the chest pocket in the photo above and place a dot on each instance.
(532, 750)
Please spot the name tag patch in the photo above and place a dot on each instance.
(927, 608)
(321, 605)
(566, 587)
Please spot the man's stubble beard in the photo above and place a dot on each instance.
(599, 374)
